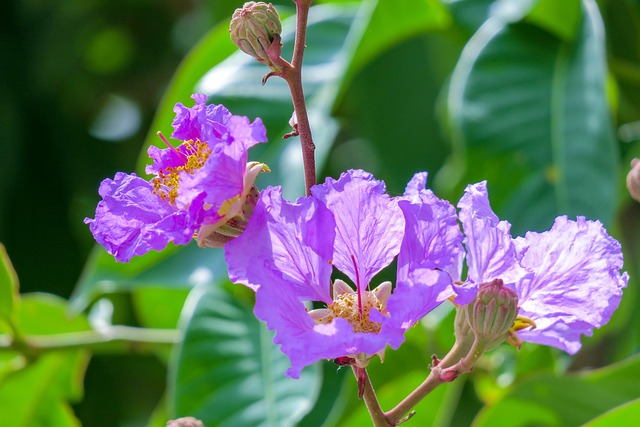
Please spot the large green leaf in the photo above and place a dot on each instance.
(382, 24)
(228, 372)
(8, 285)
(623, 415)
(570, 400)
(531, 112)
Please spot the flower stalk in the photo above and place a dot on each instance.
(293, 77)
(254, 32)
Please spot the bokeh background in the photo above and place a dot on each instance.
(81, 83)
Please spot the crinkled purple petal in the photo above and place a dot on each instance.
(576, 283)
(369, 224)
(245, 134)
(292, 241)
(491, 253)
(131, 220)
(204, 122)
(432, 237)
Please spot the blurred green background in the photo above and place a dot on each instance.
(533, 104)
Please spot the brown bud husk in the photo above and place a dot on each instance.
(235, 212)
(492, 313)
(256, 29)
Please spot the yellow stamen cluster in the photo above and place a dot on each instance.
(346, 307)
(166, 183)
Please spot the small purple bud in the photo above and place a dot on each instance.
(255, 29)
(492, 313)
(633, 180)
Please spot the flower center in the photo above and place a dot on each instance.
(165, 185)
(346, 306)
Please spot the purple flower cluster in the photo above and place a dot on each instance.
(197, 187)
(567, 279)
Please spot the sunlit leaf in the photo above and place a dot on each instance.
(573, 399)
(377, 28)
(531, 112)
(228, 372)
(39, 394)
(624, 415)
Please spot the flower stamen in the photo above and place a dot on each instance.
(346, 305)
(165, 185)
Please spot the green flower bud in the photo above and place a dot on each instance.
(492, 313)
(256, 29)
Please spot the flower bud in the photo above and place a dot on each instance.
(256, 29)
(633, 180)
(492, 313)
(185, 422)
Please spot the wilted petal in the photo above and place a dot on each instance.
(575, 285)
(369, 224)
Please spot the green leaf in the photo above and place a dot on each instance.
(39, 394)
(572, 399)
(331, 398)
(624, 415)
(47, 314)
(382, 24)
(562, 18)
(531, 111)
(159, 307)
(8, 285)
(228, 372)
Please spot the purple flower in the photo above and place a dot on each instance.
(288, 252)
(567, 279)
(203, 187)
